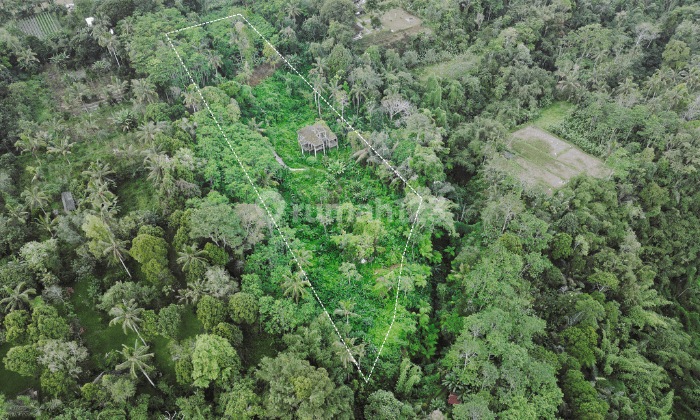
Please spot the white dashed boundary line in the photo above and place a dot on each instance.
(398, 283)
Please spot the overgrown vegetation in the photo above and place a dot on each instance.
(187, 281)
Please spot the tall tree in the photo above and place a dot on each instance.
(345, 310)
(127, 313)
(136, 358)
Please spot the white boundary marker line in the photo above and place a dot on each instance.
(398, 284)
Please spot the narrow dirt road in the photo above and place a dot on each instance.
(281, 162)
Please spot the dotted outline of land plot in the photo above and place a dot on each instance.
(396, 302)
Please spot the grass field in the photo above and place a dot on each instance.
(546, 160)
(553, 114)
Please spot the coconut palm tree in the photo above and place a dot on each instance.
(127, 25)
(295, 286)
(31, 144)
(345, 310)
(189, 255)
(34, 198)
(195, 290)
(302, 258)
(292, 9)
(136, 358)
(343, 351)
(256, 126)
(245, 73)
(99, 194)
(114, 247)
(147, 132)
(143, 90)
(26, 58)
(127, 313)
(118, 87)
(99, 170)
(47, 223)
(16, 212)
(62, 148)
(16, 298)
(76, 92)
(191, 98)
(214, 60)
(158, 165)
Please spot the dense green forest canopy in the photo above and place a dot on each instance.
(200, 278)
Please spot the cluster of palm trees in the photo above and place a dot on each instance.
(127, 314)
(105, 37)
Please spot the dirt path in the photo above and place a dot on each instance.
(281, 162)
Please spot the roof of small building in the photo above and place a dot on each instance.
(313, 134)
(68, 202)
(453, 399)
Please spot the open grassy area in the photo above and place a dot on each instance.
(546, 160)
(13, 383)
(553, 114)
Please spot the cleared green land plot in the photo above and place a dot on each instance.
(545, 160)
(552, 115)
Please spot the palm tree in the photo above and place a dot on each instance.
(214, 61)
(195, 290)
(143, 90)
(136, 358)
(35, 198)
(98, 170)
(114, 247)
(99, 193)
(345, 310)
(147, 132)
(16, 298)
(292, 9)
(158, 165)
(26, 58)
(56, 125)
(112, 43)
(189, 255)
(191, 98)
(348, 351)
(127, 25)
(16, 212)
(256, 126)
(302, 258)
(118, 87)
(295, 285)
(245, 73)
(318, 82)
(127, 313)
(343, 351)
(319, 65)
(188, 127)
(62, 148)
(47, 223)
(76, 92)
(31, 144)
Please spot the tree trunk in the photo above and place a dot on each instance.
(147, 377)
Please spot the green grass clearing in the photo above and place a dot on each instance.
(552, 115)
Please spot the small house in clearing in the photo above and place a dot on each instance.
(315, 137)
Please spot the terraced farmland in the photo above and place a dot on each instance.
(41, 26)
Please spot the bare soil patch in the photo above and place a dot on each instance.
(262, 71)
(545, 159)
(397, 24)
